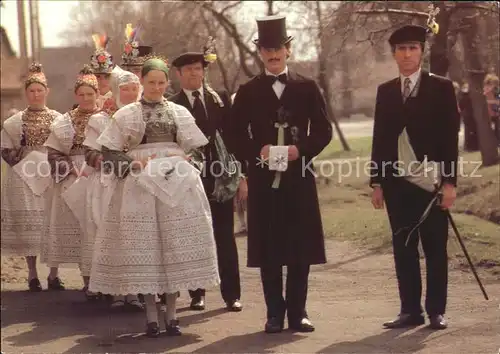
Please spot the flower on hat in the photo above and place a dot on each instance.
(210, 58)
(101, 59)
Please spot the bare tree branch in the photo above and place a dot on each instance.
(231, 6)
(220, 63)
(392, 11)
(232, 31)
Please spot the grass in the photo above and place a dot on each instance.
(360, 147)
(349, 216)
(479, 189)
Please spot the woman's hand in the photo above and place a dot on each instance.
(98, 162)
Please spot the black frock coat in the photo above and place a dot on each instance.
(217, 119)
(284, 225)
(431, 119)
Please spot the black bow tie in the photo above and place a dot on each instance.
(281, 78)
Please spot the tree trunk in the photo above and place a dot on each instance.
(475, 73)
(323, 80)
(439, 50)
(270, 4)
(346, 86)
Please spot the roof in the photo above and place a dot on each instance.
(11, 74)
(5, 40)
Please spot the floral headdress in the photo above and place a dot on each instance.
(133, 53)
(86, 77)
(432, 31)
(35, 75)
(209, 54)
(101, 61)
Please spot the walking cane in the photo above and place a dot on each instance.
(462, 245)
(436, 201)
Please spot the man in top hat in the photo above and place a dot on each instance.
(211, 111)
(102, 65)
(414, 155)
(279, 124)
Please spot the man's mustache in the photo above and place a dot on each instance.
(273, 59)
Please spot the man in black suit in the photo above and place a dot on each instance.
(211, 111)
(416, 125)
(279, 124)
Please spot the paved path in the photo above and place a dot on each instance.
(349, 298)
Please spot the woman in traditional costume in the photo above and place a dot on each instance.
(156, 236)
(63, 236)
(125, 88)
(23, 186)
(101, 63)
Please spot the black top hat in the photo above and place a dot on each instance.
(136, 56)
(408, 33)
(189, 58)
(144, 50)
(272, 32)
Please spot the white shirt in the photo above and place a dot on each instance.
(413, 80)
(278, 86)
(189, 94)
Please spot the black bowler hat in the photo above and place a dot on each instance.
(408, 33)
(189, 58)
(272, 32)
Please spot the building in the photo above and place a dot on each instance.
(61, 66)
(11, 86)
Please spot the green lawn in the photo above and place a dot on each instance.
(348, 214)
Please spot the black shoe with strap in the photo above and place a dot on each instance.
(34, 285)
(55, 284)
(197, 303)
(172, 328)
(152, 329)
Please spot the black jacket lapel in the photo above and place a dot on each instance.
(183, 100)
(267, 91)
(289, 87)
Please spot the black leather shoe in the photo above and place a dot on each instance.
(234, 306)
(55, 284)
(274, 325)
(303, 326)
(152, 329)
(172, 328)
(405, 320)
(198, 303)
(34, 285)
(438, 322)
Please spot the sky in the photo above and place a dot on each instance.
(54, 17)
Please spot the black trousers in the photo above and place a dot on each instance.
(294, 302)
(227, 252)
(405, 204)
